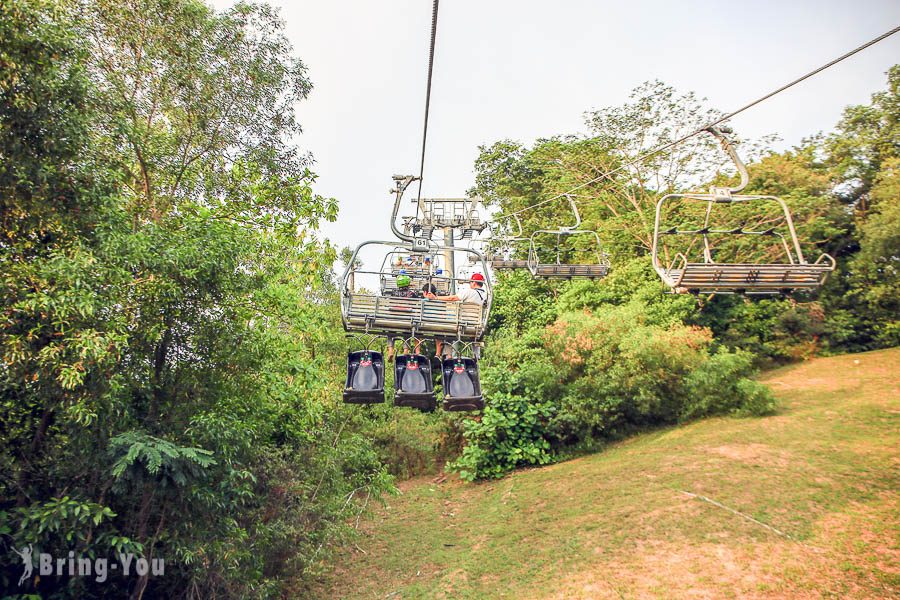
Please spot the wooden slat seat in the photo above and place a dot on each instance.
(410, 270)
(768, 278)
(504, 263)
(553, 271)
(384, 314)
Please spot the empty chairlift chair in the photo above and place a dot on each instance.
(558, 269)
(702, 273)
(503, 249)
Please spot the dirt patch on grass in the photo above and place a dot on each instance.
(865, 537)
(756, 454)
(661, 569)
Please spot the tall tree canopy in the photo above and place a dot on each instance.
(166, 350)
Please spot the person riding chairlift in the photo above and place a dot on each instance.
(474, 294)
(403, 291)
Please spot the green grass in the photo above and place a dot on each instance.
(621, 523)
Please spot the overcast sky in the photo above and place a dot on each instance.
(525, 69)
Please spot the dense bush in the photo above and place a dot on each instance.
(599, 374)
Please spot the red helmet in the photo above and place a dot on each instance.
(477, 277)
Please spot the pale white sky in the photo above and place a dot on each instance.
(525, 69)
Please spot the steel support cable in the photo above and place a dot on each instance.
(434, 15)
(664, 147)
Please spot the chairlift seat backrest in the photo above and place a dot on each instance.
(384, 314)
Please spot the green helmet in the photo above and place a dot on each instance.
(403, 281)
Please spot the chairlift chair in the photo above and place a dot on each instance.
(503, 249)
(379, 312)
(365, 311)
(684, 275)
(563, 270)
(386, 312)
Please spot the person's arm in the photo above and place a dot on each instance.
(453, 298)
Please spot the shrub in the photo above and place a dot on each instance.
(411, 443)
(720, 386)
(510, 434)
(598, 375)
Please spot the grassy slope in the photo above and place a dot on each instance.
(823, 473)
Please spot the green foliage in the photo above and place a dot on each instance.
(876, 267)
(169, 316)
(598, 374)
(773, 330)
(720, 386)
(510, 434)
(139, 453)
(865, 139)
(410, 443)
(632, 282)
(522, 302)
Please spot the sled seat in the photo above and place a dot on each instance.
(365, 378)
(462, 385)
(413, 385)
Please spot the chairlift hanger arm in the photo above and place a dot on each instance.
(402, 182)
(724, 135)
(574, 207)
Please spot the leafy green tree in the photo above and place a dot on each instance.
(169, 329)
(875, 268)
(866, 137)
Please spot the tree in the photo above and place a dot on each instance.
(167, 373)
(866, 137)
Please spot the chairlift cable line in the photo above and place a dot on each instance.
(706, 127)
(434, 16)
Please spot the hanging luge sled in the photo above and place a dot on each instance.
(708, 275)
(413, 385)
(557, 268)
(462, 383)
(365, 378)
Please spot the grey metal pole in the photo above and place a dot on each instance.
(449, 261)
